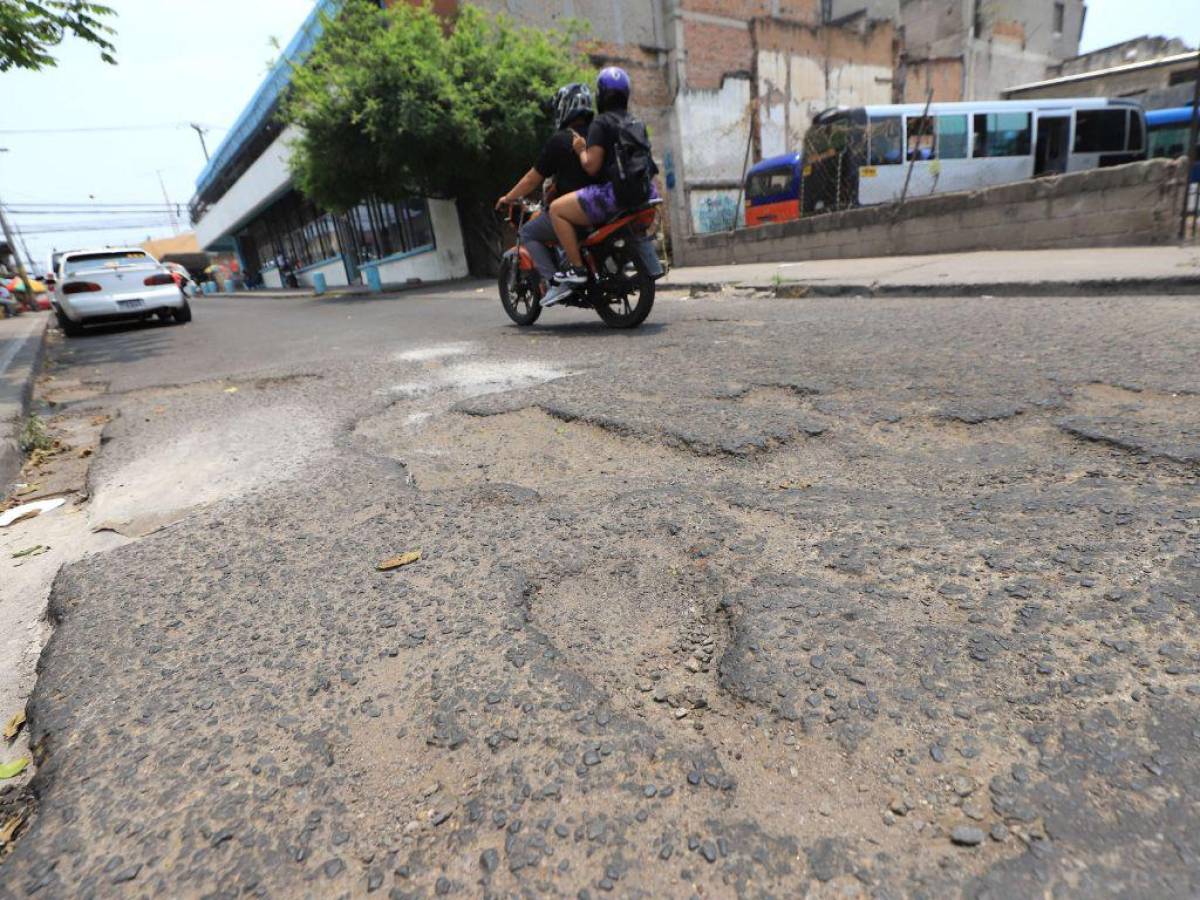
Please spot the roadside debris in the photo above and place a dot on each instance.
(28, 511)
(14, 768)
(395, 562)
(9, 830)
(14, 725)
(35, 550)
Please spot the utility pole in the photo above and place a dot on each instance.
(1193, 136)
(12, 246)
(201, 131)
(174, 221)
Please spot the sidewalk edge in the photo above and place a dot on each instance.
(28, 362)
(1174, 285)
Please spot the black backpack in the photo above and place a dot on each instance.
(633, 170)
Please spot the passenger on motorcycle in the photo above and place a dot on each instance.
(595, 204)
(573, 114)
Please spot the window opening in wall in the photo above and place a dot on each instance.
(1060, 15)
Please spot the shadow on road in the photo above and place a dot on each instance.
(593, 329)
(119, 342)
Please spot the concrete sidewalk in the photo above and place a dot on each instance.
(1108, 270)
(21, 341)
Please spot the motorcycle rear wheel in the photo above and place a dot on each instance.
(518, 295)
(631, 309)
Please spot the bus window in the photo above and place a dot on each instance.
(921, 138)
(1100, 130)
(767, 184)
(1135, 130)
(885, 142)
(952, 137)
(1168, 142)
(1002, 134)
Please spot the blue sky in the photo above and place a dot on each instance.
(199, 61)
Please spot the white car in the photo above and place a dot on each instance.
(115, 284)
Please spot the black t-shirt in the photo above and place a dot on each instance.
(603, 133)
(560, 162)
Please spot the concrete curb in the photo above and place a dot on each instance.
(1177, 285)
(16, 389)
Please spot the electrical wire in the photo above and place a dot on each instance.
(109, 128)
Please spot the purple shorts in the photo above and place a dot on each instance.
(599, 202)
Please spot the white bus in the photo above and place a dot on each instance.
(861, 156)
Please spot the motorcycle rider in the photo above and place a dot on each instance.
(573, 113)
(594, 204)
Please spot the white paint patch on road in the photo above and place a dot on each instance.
(437, 351)
(474, 379)
(224, 460)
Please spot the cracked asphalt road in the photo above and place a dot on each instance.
(769, 598)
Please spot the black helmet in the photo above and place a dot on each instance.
(571, 102)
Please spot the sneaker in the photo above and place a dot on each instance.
(575, 276)
(557, 293)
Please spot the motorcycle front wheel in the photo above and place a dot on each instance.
(629, 294)
(518, 294)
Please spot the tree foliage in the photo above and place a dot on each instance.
(31, 29)
(392, 103)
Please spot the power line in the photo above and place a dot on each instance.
(165, 210)
(107, 128)
(115, 226)
(33, 204)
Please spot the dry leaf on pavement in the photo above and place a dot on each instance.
(10, 829)
(14, 724)
(396, 562)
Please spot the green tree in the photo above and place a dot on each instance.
(29, 30)
(393, 103)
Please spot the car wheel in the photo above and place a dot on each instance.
(69, 328)
(183, 314)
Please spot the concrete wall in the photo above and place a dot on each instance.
(945, 76)
(266, 180)
(1136, 204)
(803, 70)
(998, 40)
(334, 272)
(716, 128)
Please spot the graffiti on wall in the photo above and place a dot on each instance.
(714, 211)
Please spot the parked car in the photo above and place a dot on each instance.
(115, 284)
(183, 278)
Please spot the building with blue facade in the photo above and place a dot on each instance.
(245, 200)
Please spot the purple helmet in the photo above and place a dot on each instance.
(613, 82)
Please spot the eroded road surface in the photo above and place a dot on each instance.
(769, 598)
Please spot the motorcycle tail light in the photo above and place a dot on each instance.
(81, 287)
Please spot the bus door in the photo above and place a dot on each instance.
(1053, 143)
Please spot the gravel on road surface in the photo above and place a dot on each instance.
(854, 598)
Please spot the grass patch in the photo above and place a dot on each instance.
(34, 436)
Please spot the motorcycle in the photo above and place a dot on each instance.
(620, 258)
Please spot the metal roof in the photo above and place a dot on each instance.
(262, 105)
(775, 162)
(1102, 73)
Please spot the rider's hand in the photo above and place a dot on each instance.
(503, 201)
(578, 144)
